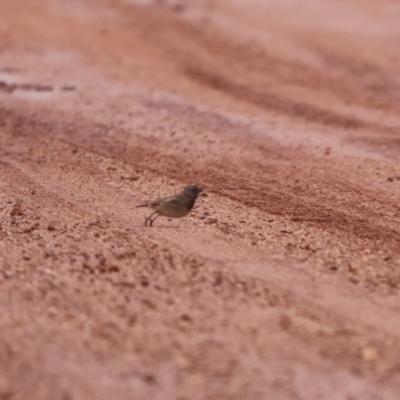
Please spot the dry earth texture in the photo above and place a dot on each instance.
(284, 281)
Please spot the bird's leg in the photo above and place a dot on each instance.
(149, 220)
(152, 220)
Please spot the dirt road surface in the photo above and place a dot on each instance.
(284, 281)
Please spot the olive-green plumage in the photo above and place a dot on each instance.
(173, 206)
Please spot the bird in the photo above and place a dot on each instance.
(176, 206)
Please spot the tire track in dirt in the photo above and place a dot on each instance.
(271, 102)
(190, 44)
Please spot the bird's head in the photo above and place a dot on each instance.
(192, 191)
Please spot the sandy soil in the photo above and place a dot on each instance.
(284, 281)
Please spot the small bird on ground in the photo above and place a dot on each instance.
(173, 206)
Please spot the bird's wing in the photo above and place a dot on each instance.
(173, 202)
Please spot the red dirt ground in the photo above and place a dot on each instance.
(283, 283)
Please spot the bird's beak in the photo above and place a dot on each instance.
(201, 190)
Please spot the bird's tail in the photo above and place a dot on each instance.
(144, 205)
